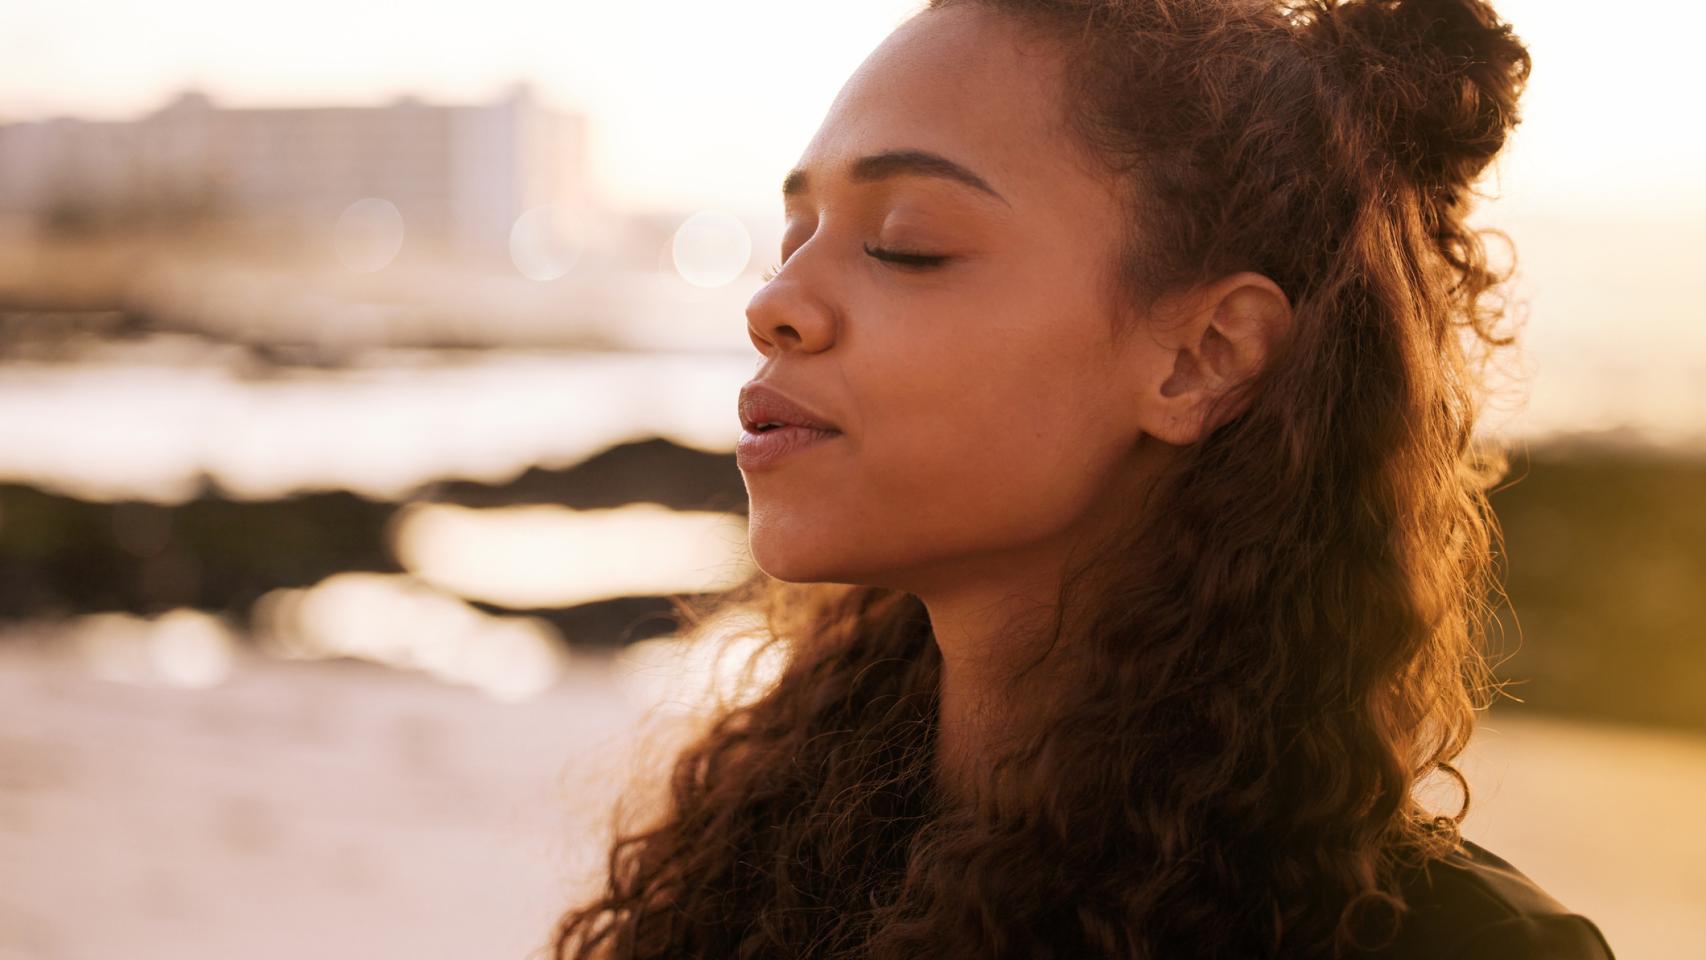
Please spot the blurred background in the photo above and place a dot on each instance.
(367, 381)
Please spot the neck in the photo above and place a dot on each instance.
(993, 619)
(985, 706)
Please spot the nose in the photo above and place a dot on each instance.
(790, 313)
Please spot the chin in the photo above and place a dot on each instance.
(796, 559)
(785, 564)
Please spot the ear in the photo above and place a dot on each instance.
(1203, 346)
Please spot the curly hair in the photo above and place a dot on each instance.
(1283, 642)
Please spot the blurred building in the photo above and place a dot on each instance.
(462, 172)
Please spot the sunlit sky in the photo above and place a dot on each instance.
(697, 104)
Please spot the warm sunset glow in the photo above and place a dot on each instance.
(368, 382)
(708, 104)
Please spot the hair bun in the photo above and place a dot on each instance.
(1436, 80)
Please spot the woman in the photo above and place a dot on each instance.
(1128, 546)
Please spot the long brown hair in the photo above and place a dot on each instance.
(1284, 639)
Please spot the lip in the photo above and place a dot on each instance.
(802, 429)
(757, 451)
(763, 403)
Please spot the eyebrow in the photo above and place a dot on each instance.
(895, 163)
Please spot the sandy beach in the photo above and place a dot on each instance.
(342, 809)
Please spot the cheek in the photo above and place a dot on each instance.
(998, 446)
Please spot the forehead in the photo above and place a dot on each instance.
(969, 84)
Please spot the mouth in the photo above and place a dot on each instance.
(767, 444)
(764, 409)
(773, 426)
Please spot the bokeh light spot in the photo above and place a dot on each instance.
(192, 649)
(547, 556)
(368, 235)
(545, 243)
(181, 648)
(402, 622)
(711, 248)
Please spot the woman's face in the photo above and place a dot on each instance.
(982, 410)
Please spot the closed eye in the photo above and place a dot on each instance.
(906, 258)
(903, 258)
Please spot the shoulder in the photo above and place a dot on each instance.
(1474, 905)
